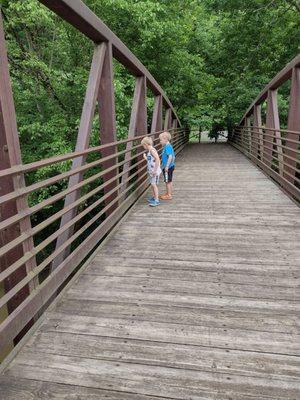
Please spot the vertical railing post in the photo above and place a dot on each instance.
(138, 124)
(83, 140)
(272, 121)
(293, 125)
(157, 118)
(11, 156)
(156, 125)
(108, 134)
(168, 119)
(247, 135)
(257, 132)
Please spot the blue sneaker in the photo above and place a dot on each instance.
(150, 199)
(154, 203)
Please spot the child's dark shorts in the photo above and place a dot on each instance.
(170, 174)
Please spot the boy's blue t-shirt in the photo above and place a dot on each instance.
(167, 151)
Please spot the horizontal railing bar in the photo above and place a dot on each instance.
(272, 162)
(292, 189)
(24, 168)
(60, 213)
(275, 144)
(30, 211)
(54, 217)
(40, 296)
(181, 141)
(271, 136)
(37, 186)
(262, 135)
(270, 129)
(258, 143)
(34, 272)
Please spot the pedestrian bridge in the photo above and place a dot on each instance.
(108, 298)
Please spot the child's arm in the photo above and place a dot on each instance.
(157, 160)
(169, 162)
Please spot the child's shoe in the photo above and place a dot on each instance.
(150, 199)
(166, 197)
(154, 203)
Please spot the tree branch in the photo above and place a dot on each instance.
(295, 4)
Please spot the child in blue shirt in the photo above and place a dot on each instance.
(167, 164)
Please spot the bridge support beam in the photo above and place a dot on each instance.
(273, 123)
(258, 133)
(247, 136)
(157, 117)
(137, 126)
(83, 140)
(108, 131)
(168, 119)
(293, 125)
(11, 156)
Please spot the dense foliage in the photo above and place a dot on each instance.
(212, 57)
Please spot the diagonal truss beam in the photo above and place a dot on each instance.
(293, 124)
(10, 156)
(83, 140)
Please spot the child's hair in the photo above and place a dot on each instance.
(147, 140)
(165, 135)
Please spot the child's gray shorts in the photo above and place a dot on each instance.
(154, 179)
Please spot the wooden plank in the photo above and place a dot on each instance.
(28, 389)
(170, 355)
(146, 379)
(206, 315)
(245, 268)
(282, 279)
(89, 283)
(238, 339)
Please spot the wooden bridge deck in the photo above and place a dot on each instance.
(197, 299)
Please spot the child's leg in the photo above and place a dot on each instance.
(169, 187)
(155, 191)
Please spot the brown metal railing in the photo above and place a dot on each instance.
(276, 151)
(98, 225)
(39, 251)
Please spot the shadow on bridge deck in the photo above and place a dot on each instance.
(196, 299)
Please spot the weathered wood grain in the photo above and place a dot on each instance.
(197, 299)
